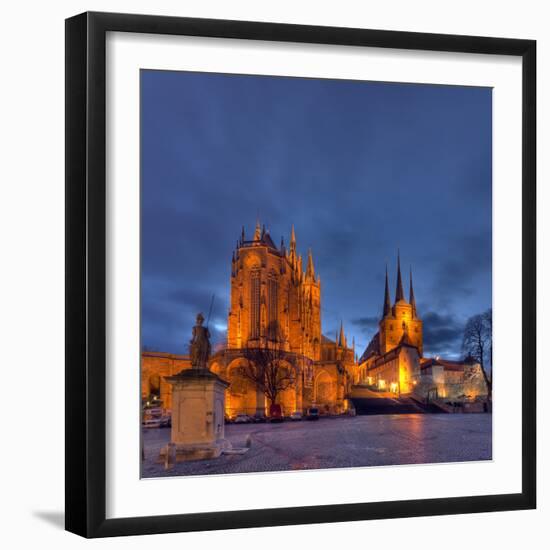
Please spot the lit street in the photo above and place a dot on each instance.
(338, 442)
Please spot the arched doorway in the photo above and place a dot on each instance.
(154, 387)
(325, 391)
(287, 397)
(241, 395)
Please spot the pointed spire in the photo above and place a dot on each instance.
(292, 238)
(412, 300)
(387, 303)
(342, 336)
(310, 272)
(242, 235)
(399, 294)
(263, 230)
(258, 231)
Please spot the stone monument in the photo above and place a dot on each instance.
(198, 405)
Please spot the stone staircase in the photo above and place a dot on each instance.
(369, 402)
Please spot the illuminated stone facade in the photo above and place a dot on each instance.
(393, 361)
(156, 366)
(274, 301)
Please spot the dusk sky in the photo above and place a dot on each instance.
(359, 168)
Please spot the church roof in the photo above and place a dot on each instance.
(373, 348)
(268, 241)
(391, 354)
(445, 363)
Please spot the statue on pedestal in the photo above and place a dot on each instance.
(198, 406)
(200, 344)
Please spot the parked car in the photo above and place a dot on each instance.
(259, 418)
(166, 421)
(276, 413)
(312, 413)
(242, 418)
(151, 423)
(296, 415)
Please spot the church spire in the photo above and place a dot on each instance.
(399, 294)
(258, 231)
(342, 336)
(412, 301)
(292, 238)
(387, 303)
(310, 271)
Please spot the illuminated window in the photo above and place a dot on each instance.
(255, 304)
(273, 301)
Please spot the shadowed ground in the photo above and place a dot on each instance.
(339, 442)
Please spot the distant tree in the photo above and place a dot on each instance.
(488, 318)
(266, 369)
(477, 343)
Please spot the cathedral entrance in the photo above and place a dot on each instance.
(325, 392)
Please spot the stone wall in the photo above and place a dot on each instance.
(155, 366)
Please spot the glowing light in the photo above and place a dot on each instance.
(393, 387)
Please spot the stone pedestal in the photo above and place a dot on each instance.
(198, 406)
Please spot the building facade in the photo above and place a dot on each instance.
(275, 304)
(393, 360)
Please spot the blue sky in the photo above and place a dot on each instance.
(360, 168)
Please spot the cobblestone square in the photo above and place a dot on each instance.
(337, 442)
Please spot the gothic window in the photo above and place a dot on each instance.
(272, 304)
(255, 304)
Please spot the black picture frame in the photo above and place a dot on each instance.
(86, 274)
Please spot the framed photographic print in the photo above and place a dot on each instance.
(300, 274)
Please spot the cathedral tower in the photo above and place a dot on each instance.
(272, 298)
(400, 321)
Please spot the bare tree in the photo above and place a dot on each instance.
(266, 369)
(477, 343)
(488, 319)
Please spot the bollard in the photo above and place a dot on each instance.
(248, 441)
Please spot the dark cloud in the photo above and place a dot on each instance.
(367, 325)
(360, 169)
(442, 334)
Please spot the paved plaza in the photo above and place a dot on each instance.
(338, 442)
